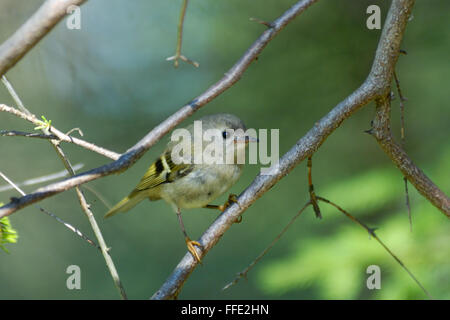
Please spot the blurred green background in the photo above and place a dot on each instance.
(111, 80)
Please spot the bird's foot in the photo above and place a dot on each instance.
(190, 246)
(232, 198)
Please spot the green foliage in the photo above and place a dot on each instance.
(335, 265)
(7, 233)
(366, 192)
(337, 268)
(43, 125)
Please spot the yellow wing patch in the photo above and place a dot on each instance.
(161, 171)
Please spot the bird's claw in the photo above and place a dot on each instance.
(190, 246)
(232, 198)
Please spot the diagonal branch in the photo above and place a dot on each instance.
(42, 179)
(57, 133)
(244, 273)
(15, 133)
(382, 132)
(98, 234)
(127, 159)
(32, 31)
(54, 216)
(372, 233)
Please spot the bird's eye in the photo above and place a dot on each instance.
(225, 134)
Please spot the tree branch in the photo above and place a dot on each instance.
(178, 54)
(54, 216)
(14, 133)
(33, 30)
(98, 234)
(60, 135)
(127, 159)
(381, 131)
(42, 179)
(388, 48)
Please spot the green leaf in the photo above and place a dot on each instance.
(46, 124)
(7, 233)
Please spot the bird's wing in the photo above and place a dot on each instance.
(161, 171)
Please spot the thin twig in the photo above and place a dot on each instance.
(402, 142)
(402, 109)
(98, 195)
(60, 135)
(46, 178)
(14, 95)
(75, 129)
(98, 234)
(105, 250)
(178, 54)
(54, 216)
(14, 133)
(371, 231)
(27, 115)
(57, 175)
(243, 273)
(264, 23)
(312, 193)
(84, 205)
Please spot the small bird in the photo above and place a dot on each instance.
(194, 184)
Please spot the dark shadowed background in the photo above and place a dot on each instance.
(111, 80)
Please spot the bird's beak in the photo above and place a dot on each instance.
(245, 139)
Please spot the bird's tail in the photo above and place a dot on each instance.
(127, 203)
